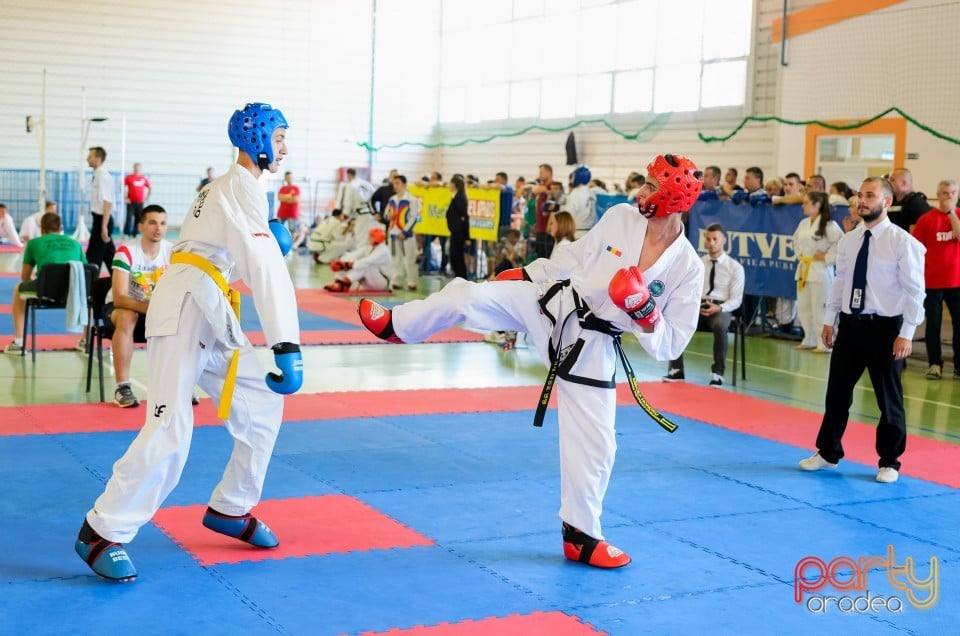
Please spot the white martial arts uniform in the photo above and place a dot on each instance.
(403, 213)
(191, 334)
(30, 228)
(586, 413)
(582, 205)
(372, 267)
(818, 275)
(352, 200)
(327, 241)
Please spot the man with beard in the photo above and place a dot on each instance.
(878, 298)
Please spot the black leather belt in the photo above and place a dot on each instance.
(868, 317)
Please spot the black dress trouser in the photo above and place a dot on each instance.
(865, 342)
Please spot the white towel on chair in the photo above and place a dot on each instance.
(77, 298)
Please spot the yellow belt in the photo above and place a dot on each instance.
(803, 270)
(233, 295)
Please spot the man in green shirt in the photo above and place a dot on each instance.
(51, 247)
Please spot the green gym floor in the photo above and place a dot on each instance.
(775, 370)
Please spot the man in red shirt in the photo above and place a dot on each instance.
(138, 191)
(289, 196)
(939, 231)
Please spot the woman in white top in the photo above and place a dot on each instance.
(815, 241)
(562, 228)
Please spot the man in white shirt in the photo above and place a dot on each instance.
(722, 294)
(137, 266)
(103, 200)
(30, 228)
(874, 308)
(582, 202)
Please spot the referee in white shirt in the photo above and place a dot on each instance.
(103, 202)
(878, 298)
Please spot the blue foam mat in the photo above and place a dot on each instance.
(715, 521)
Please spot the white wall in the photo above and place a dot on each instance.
(176, 70)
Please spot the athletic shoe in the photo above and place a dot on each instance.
(815, 462)
(887, 475)
(935, 371)
(583, 548)
(108, 559)
(956, 372)
(247, 528)
(495, 337)
(124, 397)
(673, 375)
(378, 320)
(716, 380)
(81, 345)
(14, 349)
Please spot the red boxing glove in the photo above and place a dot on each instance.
(336, 266)
(517, 273)
(628, 292)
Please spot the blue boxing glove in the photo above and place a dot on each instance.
(286, 356)
(759, 197)
(282, 234)
(738, 196)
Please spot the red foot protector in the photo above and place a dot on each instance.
(553, 623)
(348, 525)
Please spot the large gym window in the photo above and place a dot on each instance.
(555, 59)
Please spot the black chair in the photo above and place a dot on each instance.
(739, 329)
(53, 287)
(100, 329)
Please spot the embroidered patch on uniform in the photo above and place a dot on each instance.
(256, 234)
(614, 250)
(656, 287)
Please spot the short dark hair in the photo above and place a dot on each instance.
(713, 170)
(887, 188)
(792, 175)
(757, 172)
(716, 227)
(401, 178)
(546, 166)
(733, 170)
(100, 152)
(152, 208)
(351, 172)
(503, 175)
(50, 223)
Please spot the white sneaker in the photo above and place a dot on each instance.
(887, 475)
(815, 462)
(716, 379)
(933, 373)
(14, 349)
(81, 345)
(495, 337)
(673, 375)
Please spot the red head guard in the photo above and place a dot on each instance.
(679, 186)
(377, 235)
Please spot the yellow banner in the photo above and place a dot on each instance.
(483, 206)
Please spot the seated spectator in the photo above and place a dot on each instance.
(711, 185)
(722, 294)
(137, 267)
(841, 194)
(50, 248)
(327, 241)
(30, 228)
(729, 184)
(562, 228)
(816, 183)
(511, 253)
(792, 190)
(369, 267)
(773, 188)
(8, 231)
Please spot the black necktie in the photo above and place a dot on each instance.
(713, 275)
(859, 292)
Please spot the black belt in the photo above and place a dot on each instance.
(869, 317)
(562, 360)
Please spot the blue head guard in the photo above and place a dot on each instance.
(581, 175)
(251, 130)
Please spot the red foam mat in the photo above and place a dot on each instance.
(537, 623)
(348, 526)
(925, 458)
(4, 248)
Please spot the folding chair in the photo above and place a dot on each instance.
(100, 329)
(53, 287)
(739, 329)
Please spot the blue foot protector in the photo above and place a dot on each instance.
(106, 558)
(246, 528)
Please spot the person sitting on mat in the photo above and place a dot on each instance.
(370, 267)
(634, 271)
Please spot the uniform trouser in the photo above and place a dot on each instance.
(361, 226)
(810, 303)
(151, 466)
(933, 306)
(99, 252)
(865, 344)
(586, 414)
(718, 324)
(134, 211)
(367, 276)
(404, 252)
(327, 251)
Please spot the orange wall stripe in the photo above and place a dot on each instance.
(824, 15)
(896, 126)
